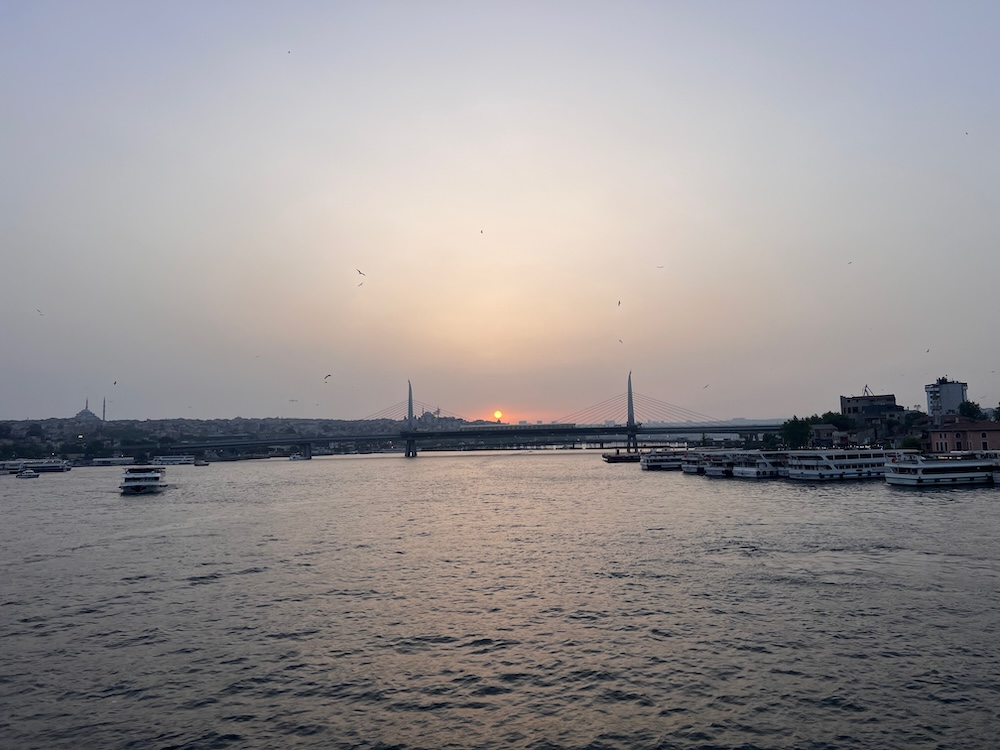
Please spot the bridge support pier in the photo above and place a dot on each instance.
(307, 450)
(411, 448)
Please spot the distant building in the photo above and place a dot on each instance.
(869, 407)
(944, 397)
(966, 436)
(826, 436)
(85, 414)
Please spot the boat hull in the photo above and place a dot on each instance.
(150, 489)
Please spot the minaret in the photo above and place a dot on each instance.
(104, 409)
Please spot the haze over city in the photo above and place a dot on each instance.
(205, 209)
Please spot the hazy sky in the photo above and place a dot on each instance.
(790, 201)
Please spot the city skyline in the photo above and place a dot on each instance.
(754, 208)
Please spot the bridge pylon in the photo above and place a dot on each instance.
(411, 444)
(632, 441)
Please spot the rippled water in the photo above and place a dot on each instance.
(537, 600)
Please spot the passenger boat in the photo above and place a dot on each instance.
(835, 464)
(943, 469)
(662, 459)
(27, 474)
(47, 465)
(173, 460)
(719, 464)
(759, 465)
(11, 467)
(694, 462)
(298, 457)
(143, 480)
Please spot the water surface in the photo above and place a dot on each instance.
(501, 600)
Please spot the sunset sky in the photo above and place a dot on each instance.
(789, 200)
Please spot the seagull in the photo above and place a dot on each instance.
(619, 303)
(329, 376)
(39, 312)
(706, 385)
(293, 400)
(115, 383)
(360, 271)
(928, 351)
(361, 284)
(480, 231)
(659, 266)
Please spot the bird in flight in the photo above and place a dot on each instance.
(361, 284)
(706, 385)
(928, 351)
(39, 311)
(659, 266)
(360, 271)
(115, 383)
(620, 341)
(619, 303)
(293, 400)
(329, 376)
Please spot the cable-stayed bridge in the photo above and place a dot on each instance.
(624, 418)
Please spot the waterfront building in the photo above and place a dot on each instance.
(869, 407)
(944, 397)
(966, 436)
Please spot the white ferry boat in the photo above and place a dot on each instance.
(173, 460)
(943, 469)
(27, 474)
(662, 459)
(142, 480)
(47, 464)
(694, 462)
(11, 467)
(759, 465)
(835, 464)
(719, 464)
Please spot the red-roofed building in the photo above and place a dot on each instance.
(966, 436)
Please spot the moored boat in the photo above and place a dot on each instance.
(662, 459)
(47, 465)
(27, 474)
(943, 469)
(719, 464)
(173, 460)
(754, 464)
(835, 464)
(143, 480)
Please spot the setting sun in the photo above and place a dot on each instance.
(497, 414)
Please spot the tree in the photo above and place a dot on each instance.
(971, 410)
(795, 432)
(996, 413)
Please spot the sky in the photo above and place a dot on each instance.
(753, 207)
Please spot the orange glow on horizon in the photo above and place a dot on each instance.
(497, 415)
